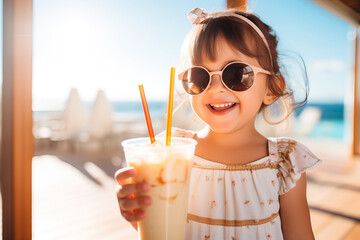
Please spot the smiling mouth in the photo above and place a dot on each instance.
(222, 107)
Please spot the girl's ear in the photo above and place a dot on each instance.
(269, 97)
(277, 83)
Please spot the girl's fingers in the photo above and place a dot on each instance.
(133, 217)
(131, 208)
(123, 175)
(126, 190)
(130, 204)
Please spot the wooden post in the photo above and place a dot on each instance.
(356, 115)
(238, 4)
(17, 138)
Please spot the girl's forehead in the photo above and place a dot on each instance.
(224, 53)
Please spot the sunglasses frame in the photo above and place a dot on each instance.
(211, 73)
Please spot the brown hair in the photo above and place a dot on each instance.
(201, 42)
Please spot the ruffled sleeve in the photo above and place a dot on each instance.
(294, 158)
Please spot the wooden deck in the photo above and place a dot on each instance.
(334, 192)
(75, 199)
(75, 203)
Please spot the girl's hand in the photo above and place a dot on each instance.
(129, 195)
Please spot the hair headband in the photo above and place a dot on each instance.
(201, 16)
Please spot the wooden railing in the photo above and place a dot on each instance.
(17, 138)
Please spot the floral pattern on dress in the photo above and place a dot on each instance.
(273, 183)
(233, 183)
(213, 204)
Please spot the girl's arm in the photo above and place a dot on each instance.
(294, 213)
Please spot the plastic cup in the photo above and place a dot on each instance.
(167, 169)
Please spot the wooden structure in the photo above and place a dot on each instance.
(350, 11)
(356, 118)
(239, 4)
(17, 139)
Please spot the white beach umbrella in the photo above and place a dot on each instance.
(101, 117)
(74, 113)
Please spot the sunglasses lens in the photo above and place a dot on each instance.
(238, 77)
(195, 80)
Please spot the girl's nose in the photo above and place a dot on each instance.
(216, 84)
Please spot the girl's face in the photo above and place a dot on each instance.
(227, 119)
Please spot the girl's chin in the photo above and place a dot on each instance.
(222, 129)
(217, 125)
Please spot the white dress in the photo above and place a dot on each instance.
(228, 202)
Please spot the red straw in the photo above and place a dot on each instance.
(147, 114)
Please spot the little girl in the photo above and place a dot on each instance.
(243, 185)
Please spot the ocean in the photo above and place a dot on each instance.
(330, 111)
(157, 109)
(331, 124)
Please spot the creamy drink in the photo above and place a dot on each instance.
(166, 170)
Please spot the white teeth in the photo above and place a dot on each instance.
(222, 105)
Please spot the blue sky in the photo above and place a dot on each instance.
(115, 45)
(320, 37)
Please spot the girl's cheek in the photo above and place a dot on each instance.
(194, 102)
(197, 106)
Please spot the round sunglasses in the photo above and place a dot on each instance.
(235, 76)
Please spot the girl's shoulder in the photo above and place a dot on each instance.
(292, 158)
